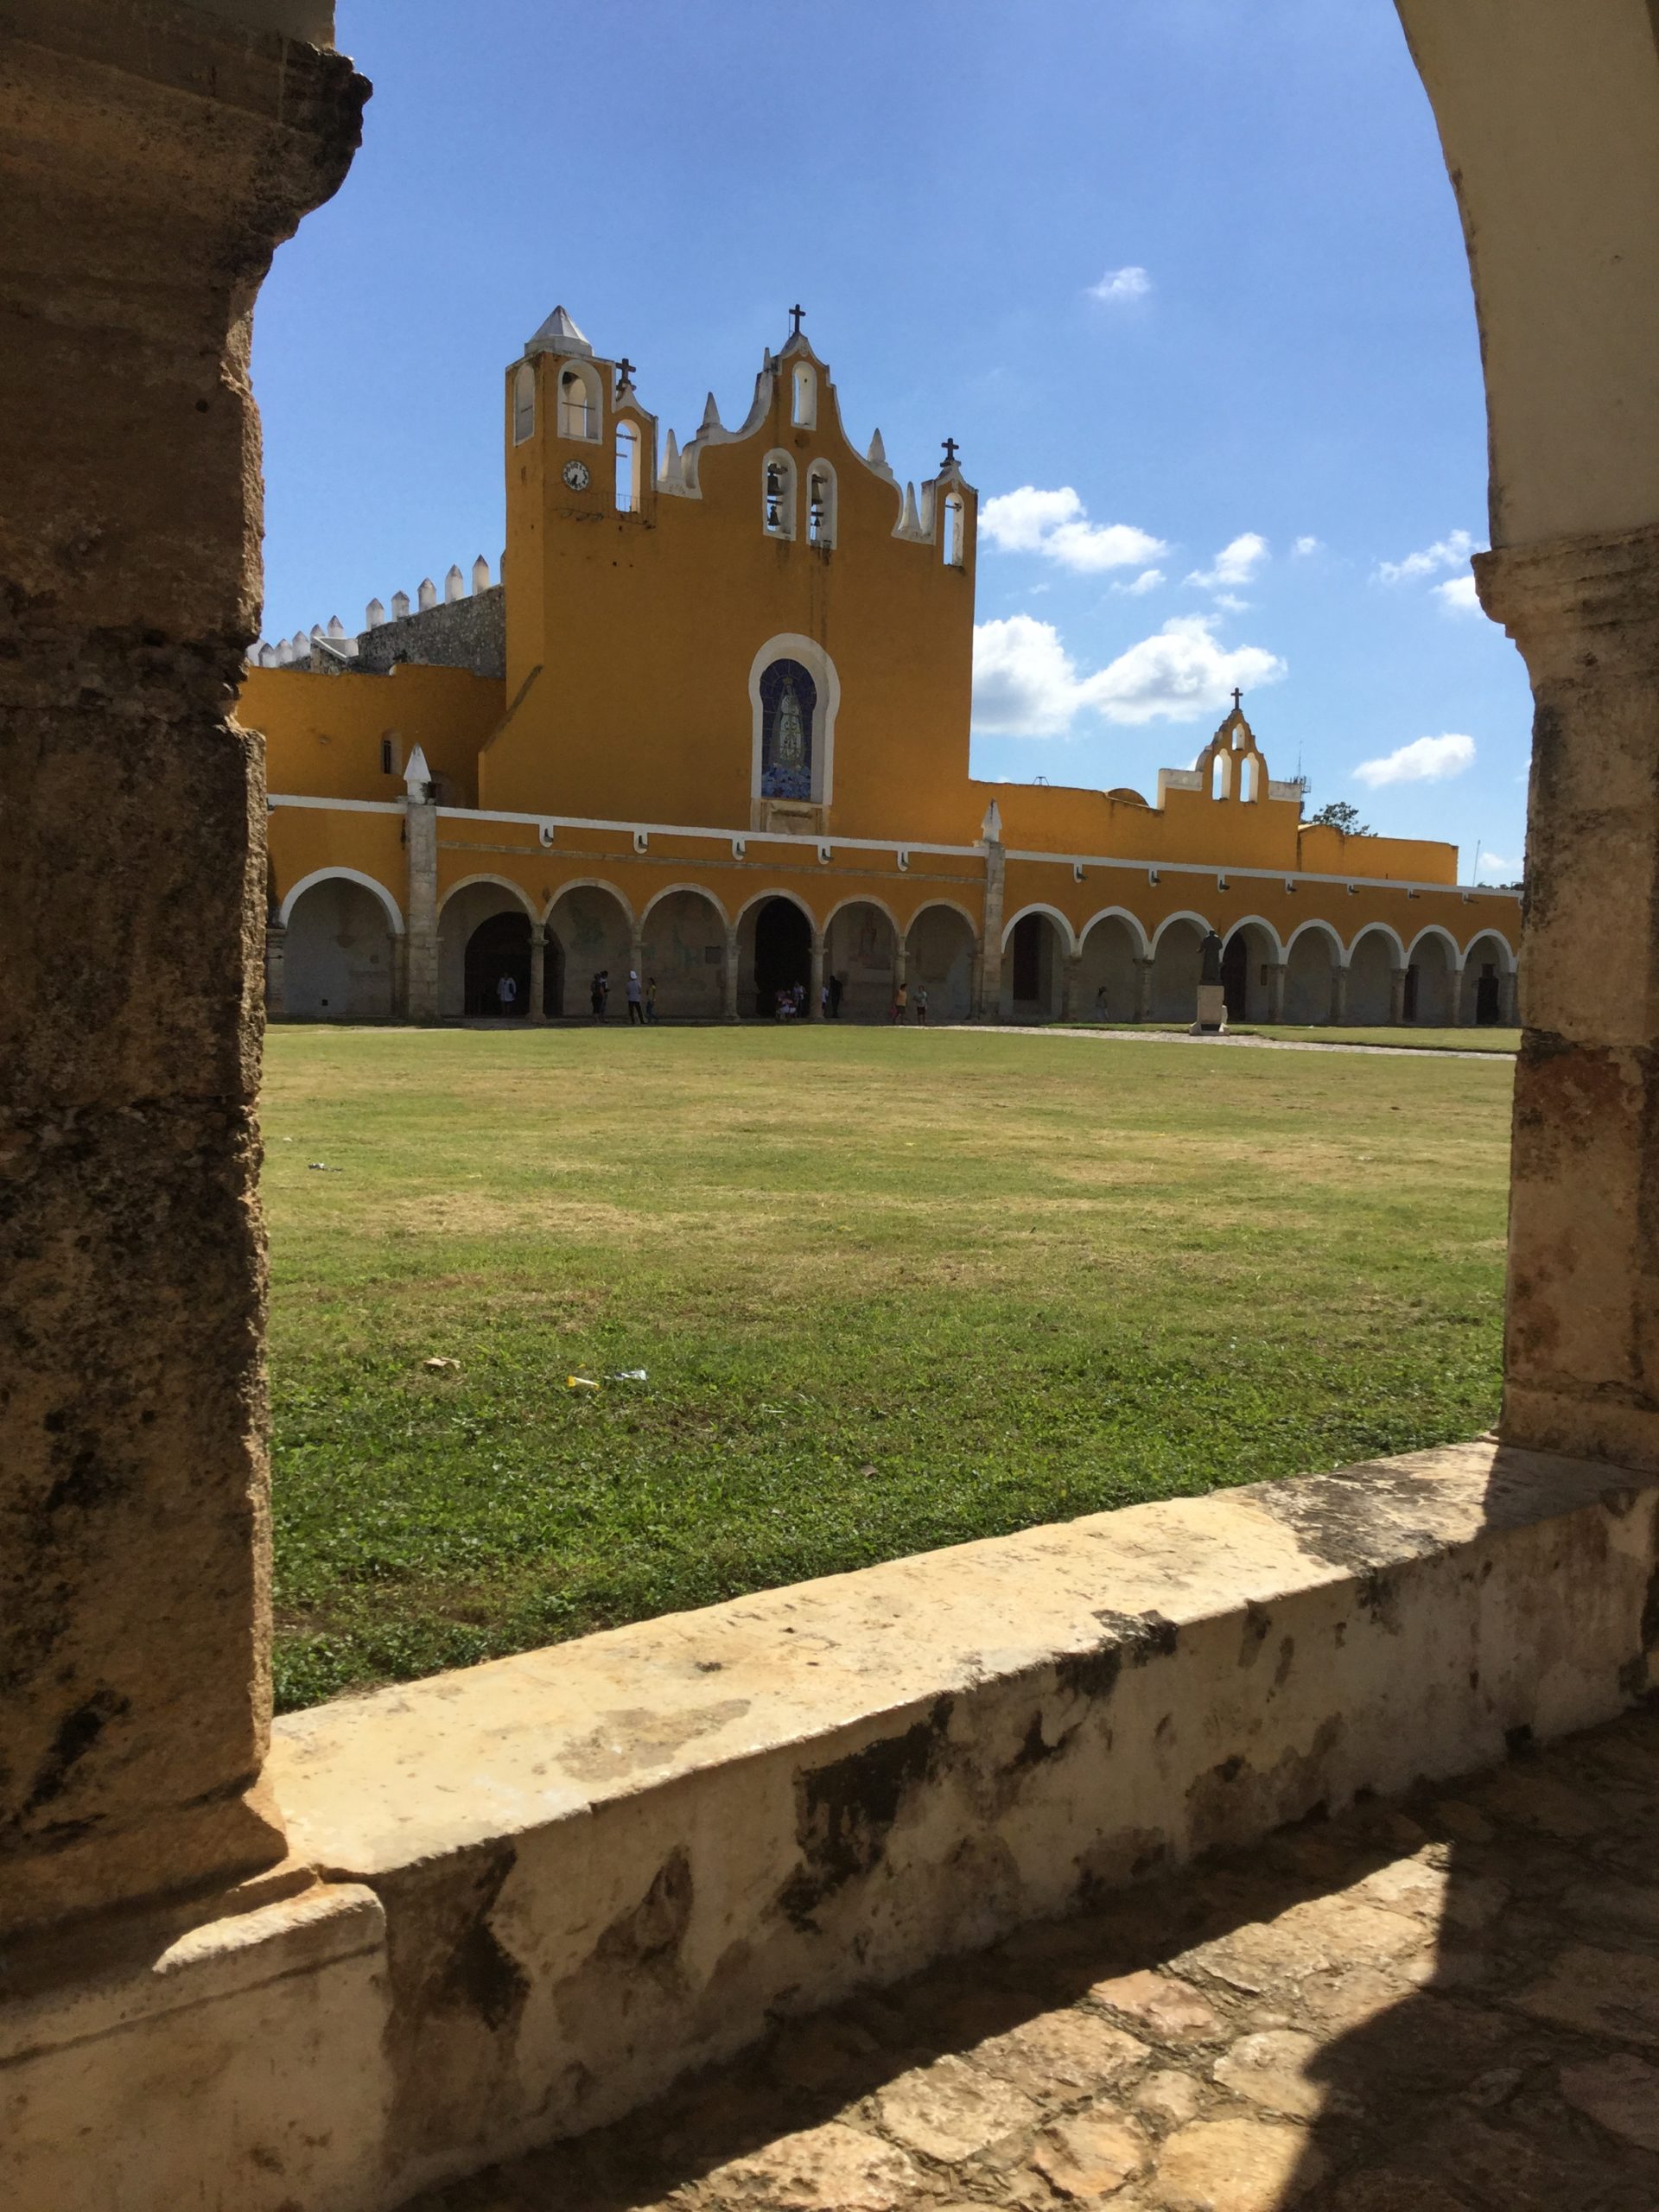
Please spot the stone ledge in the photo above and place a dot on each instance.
(609, 1861)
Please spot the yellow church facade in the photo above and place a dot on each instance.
(711, 725)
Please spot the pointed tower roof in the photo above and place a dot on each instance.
(558, 334)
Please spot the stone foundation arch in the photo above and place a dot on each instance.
(1110, 962)
(1315, 961)
(1251, 960)
(337, 949)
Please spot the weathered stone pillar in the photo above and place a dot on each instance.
(900, 965)
(275, 976)
(988, 1001)
(421, 851)
(1397, 996)
(729, 979)
(1273, 971)
(1338, 994)
(976, 982)
(1143, 967)
(815, 987)
(637, 953)
(1071, 974)
(153, 157)
(1581, 1361)
(1463, 1005)
(1508, 1014)
(537, 972)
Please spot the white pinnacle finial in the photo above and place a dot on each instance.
(481, 575)
(336, 627)
(877, 455)
(417, 774)
(427, 597)
(373, 616)
(991, 827)
(558, 334)
(910, 523)
(455, 584)
(711, 414)
(672, 477)
(399, 606)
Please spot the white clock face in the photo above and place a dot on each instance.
(576, 475)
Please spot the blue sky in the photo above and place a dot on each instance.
(1194, 264)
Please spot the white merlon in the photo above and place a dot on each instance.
(302, 645)
(481, 575)
(399, 606)
(427, 597)
(316, 629)
(373, 616)
(455, 584)
(336, 628)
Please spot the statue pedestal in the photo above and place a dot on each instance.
(1212, 1010)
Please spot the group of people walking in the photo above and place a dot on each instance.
(641, 997)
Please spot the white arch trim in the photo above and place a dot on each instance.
(1185, 914)
(1339, 951)
(342, 875)
(788, 644)
(500, 882)
(1380, 929)
(1433, 928)
(863, 898)
(675, 890)
(1067, 935)
(759, 900)
(1114, 914)
(1497, 938)
(587, 883)
(944, 906)
(1258, 922)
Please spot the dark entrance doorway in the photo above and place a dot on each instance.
(496, 948)
(783, 952)
(1028, 960)
(553, 978)
(1486, 995)
(1408, 996)
(1236, 975)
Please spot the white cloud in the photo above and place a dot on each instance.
(1119, 285)
(1305, 548)
(1235, 564)
(1450, 552)
(1424, 760)
(1055, 525)
(1458, 595)
(1232, 602)
(1494, 869)
(1027, 684)
(1148, 579)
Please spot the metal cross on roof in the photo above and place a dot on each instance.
(1238, 701)
(799, 315)
(625, 371)
(949, 452)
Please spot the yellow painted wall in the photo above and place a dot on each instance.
(322, 732)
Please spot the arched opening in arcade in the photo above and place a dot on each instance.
(939, 949)
(1248, 961)
(859, 967)
(1033, 970)
(1482, 993)
(340, 956)
(776, 956)
(1106, 972)
(1311, 976)
(1371, 967)
(465, 980)
(1176, 964)
(1431, 997)
(685, 950)
(589, 935)
(496, 971)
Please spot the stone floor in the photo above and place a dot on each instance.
(1450, 2005)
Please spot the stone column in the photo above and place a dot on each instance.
(1507, 1013)
(1397, 996)
(1338, 994)
(1581, 1356)
(637, 954)
(276, 977)
(155, 157)
(729, 979)
(1275, 972)
(537, 972)
(988, 1005)
(900, 963)
(815, 987)
(420, 955)
(1071, 973)
(1143, 966)
(1463, 1007)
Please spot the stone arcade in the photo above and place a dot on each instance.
(447, 1923)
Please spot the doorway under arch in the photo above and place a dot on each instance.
(782, 955)
(685, 948)
(1480, 997)
(1106, 974)
(338, 960)
(859, 947)
(497, 952)
(1033, 970)
(1370, 979)
(1310, 978)
(589, 931)
(1248, 952)
(940, 959)
(1431, 984)
(1176, 966)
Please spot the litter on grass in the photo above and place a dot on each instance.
(629, 1375)
(439, 1364)
(580, 1383)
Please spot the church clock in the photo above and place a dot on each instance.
(576, 476)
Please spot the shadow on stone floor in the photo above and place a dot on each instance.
(1447, 2005)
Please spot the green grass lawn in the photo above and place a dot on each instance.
(1409, 1039)
(892, 1290)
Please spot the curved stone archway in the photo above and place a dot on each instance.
(340, 954)
(940, 949)
(861, 948)
(683, 941)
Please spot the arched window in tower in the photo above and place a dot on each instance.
(777, 496)
(821, 504)
(953, 539)
(1221, 775)
(804, 397)
(524, 403)
(630, 474)
(789, 706)
(579, 413)
(1250, 776)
